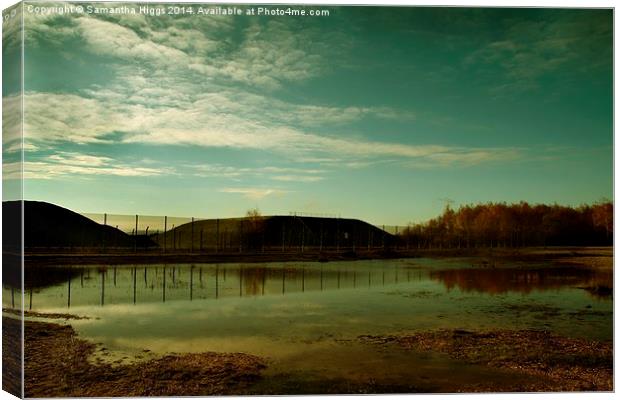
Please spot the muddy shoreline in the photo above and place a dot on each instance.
(600, 257)
(57, 365)
(561, 363)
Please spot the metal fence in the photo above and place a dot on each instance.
(297, 232)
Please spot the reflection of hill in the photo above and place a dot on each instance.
(34, 278)
(502, 280)
(276, 231)
(48, 226)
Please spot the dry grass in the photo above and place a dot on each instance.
(563, 364)
(35, 314)
(56, 365)
(11, 356)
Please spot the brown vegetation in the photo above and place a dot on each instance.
(563, 364)
(57, 365)
(515, 225)
(11, 356)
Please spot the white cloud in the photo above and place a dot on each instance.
(254, 193)
(112, 39)
(162, 102)
(271, 172)
(11, 121)
(210, 123)
(80, 159)
(75, 164)
(297, 178)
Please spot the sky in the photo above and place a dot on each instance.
(385, 114)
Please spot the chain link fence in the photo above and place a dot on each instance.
(297, 232)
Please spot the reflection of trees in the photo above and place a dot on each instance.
(253, 280)
(496, 281)
(515, 225)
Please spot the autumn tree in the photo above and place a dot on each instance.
(515, 225)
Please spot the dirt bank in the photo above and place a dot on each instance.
(562, 364)
(57, 365)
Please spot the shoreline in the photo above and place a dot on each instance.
(561, 363)
(593, 256)
(58, 363)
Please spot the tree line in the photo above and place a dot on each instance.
(515, 225)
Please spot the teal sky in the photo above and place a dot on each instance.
(375, 113)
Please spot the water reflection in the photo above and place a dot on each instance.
(104, 285)
(523, 280)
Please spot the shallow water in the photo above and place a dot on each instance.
(305, 317)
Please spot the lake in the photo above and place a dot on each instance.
(305, 317)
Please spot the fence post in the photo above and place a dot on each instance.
(303, 232)
(105, 231)
(240, 236)
(217, 235)
(338, 234)
(192, 245)
(383, 236)
(396, 236)
(283, 234)
(135, 241)
(165, 230)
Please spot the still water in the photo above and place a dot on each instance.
(306, 316)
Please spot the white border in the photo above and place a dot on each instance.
(458, 3)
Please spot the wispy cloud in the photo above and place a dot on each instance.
(75, 164)
(254, 193)
(209, 123)
(203, 95)
(297, 178)
(269, 172)
(529, 49)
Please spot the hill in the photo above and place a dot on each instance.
(50, 226)
(275, 232)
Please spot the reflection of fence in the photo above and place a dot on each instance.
(138, 233)
(147, 284)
